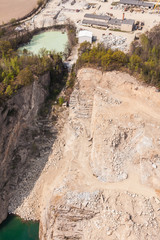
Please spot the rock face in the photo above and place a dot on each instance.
(102, 179)
(17, 127)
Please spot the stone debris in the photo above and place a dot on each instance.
(114, 42)
(108, 218)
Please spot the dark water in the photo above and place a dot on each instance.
(13, 228)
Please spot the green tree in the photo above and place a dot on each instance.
(9, 90)
(25, 76)
(135, 62)
(84, 47)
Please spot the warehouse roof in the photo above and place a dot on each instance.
(115, 21)
(128, 21)
(94, 16)
(119, 22)
(92, 22)
(85, 33)
(137, 3)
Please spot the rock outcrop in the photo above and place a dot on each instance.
(104, 183)
(17, 136)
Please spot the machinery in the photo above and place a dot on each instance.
(156, 5)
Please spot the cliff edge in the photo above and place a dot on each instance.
(17, 125)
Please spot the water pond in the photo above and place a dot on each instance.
(13, 228)
(50, 40)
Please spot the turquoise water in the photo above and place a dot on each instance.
(13, 228)
(51, 40)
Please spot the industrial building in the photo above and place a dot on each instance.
(137, 3)
(85, 35)
(94, 23)
(108, 22)
(99, 17)
(121, 24)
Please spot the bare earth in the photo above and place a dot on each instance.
(15, 9)
(102, 179)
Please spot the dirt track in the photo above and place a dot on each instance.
(15, 9)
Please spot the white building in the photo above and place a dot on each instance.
(84, 35)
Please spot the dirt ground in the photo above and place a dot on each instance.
(15, 9)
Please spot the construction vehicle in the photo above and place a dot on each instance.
(156, 5)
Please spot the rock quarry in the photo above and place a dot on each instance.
(100, 177)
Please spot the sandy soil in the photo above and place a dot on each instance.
(15, 9)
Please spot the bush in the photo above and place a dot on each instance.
(13, 21)
(60, 101)
(40, 2)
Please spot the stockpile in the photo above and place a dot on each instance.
(114, 42)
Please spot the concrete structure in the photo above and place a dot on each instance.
(137, 3)
(85, 35)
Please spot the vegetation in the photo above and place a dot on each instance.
(98, 56)
(13, 21)
(72, 40)
(20, 70)
(40, 2)
(17, 71)
(61, 101)
(144, 58)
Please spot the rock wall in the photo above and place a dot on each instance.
(17, 117)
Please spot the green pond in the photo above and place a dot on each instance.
(51, 40)
(13, 228)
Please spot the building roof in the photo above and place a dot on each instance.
(136, 3)
(92, 22)
(94, 16)
(128, 21)
(85, 33)
(115, 21)
(119, 22)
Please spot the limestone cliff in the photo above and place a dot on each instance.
(17, 117)
(103, 182)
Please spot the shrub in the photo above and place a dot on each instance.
(60, 101)
(40, 2)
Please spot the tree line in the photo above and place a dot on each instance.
(143, 59)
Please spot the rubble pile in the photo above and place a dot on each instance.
(114, 42)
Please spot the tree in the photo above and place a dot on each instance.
(5, 49)
(84, 47)
(25, 76)
(9, 90)
(135, 62)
